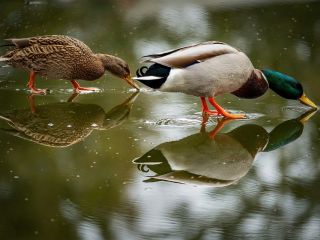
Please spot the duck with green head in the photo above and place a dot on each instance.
(213, 68)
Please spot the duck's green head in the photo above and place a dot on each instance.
(287, 87)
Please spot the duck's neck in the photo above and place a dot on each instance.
(107, 60)
(255, 86)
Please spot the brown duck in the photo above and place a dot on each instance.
(62, 57)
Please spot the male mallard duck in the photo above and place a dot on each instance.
(213, 68)
(62, 57)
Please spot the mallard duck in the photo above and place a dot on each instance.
(213, 68)
(62, 57)
(214, 158)
(64, 123)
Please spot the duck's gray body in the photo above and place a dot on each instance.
(210, 69)
(210, 78)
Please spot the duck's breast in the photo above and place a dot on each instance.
(222, 74)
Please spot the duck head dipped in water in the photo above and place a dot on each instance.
(62, 57)
(213, 68)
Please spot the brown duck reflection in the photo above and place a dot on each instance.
(64, 123)
(216, 159)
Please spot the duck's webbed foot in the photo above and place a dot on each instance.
(223, 112)
(78, 89)
(31, 85)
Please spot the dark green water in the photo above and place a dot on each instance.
(115, 165)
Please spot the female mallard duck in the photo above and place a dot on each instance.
(62, 57)
(213, 68)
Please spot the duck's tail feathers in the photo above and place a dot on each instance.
(153, 76)
(142, 71)
(147, 78)
(7, 45)
(141, 75)
(4, 59)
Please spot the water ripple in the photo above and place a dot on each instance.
(191, 120)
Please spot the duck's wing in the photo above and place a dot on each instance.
(48, 40)
(188, 55)
(40, 52)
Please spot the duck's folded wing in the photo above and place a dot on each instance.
(47, 40)
(186, 56)
(37, 57)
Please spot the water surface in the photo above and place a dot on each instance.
(120, 165)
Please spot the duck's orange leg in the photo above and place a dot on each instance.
(31, 86)
(77, 88)
(224, 112)
(220, 125)
(32, 103)
(205, 108)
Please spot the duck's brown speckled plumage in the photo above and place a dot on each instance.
(62, 57)
(56, 56)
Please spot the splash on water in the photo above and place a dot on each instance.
(298, 109)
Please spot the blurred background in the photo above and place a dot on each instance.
(66, 171)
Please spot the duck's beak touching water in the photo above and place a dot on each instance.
(306, 101)
(130, 81)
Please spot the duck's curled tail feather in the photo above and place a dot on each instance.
(154, 76)
(141, 71)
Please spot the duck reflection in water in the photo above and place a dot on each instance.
(64, 123)
(216, 159)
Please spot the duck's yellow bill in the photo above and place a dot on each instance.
(306, 116)
(303, 99)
